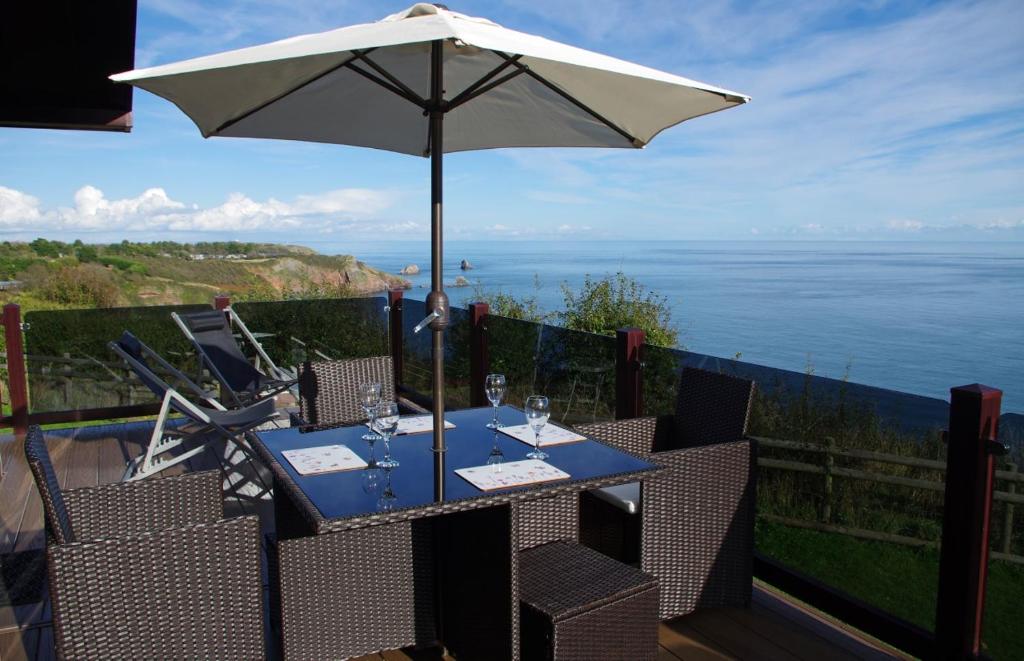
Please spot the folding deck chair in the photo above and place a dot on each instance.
(209, 417)
(210, 334)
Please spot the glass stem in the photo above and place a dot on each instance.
(536, 441)
(494, 420)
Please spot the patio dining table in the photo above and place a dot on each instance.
(356, 574)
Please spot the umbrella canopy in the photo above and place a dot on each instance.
(426, 81)
(368, 85)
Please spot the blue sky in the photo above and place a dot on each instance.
(869, 120)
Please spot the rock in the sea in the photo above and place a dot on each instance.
(460, 282)
(465, 265)
(411, 269)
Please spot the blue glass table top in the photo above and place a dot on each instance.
(344, 494)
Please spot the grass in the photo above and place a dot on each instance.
(899, 579)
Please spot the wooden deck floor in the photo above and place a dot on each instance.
(774, 628)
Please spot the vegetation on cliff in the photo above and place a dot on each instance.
(58, 274)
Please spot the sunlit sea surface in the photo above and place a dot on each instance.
(918, 317)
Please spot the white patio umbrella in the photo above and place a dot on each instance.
(426, 81)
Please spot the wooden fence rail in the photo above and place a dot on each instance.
(829, 471)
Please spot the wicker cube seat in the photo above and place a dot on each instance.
(577, 603)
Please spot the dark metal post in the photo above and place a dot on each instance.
(395, 330)
(479, 358)
(221, 302)
(629, 384)
(17, 381)
(437, 300)
(963, 563)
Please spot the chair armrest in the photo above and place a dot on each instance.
(634, 435)
(186, 592)
(126, 508)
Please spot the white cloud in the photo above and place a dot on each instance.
(154, 210)
(17, 208)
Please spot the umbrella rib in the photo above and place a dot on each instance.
(408, 92)
(636, 142)
(412, 97)
(249, 113)
(468, 93)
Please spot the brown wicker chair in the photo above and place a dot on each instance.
(328, 390)
(149, 569)
(695, 524)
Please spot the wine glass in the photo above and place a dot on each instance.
(387, 499)
(371, 479)
(538, 410)
(494, 386)
(386, 422)
(371, 474)
(369, 398)
(496, 458)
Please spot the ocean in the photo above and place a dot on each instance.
(918, 317)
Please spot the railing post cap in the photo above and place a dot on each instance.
(976, 391)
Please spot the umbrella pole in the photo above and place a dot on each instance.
(437, 300)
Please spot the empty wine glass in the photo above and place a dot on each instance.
(386, 422)
(369, 398)
(538, 410)
(494, 386)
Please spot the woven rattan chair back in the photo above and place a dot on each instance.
(329, 390)
(58, 522)
(711, 408)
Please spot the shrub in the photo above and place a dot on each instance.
(618, 301)
(501, 304)
(86, 285)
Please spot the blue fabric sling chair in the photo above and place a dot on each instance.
(210, 334)
(210, 420)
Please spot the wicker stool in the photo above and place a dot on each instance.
(576, 603)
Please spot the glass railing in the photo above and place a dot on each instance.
(575, 370)
(851, 486)
(70, 367)
(416, 352)
(1004, 596)
(292, 332)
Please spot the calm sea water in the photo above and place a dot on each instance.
(917, 317)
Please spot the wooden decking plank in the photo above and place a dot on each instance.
(688, 644)
(19, 645)
(835, 632)
(14, 488)
(84, 458)
(665, 655)
(800, 642)
(111, 460)
(31, 534)
(13, 618)
(734, 638)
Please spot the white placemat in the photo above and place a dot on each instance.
(511, 474)
(323, 459)
(417, 424)
(550, 435)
